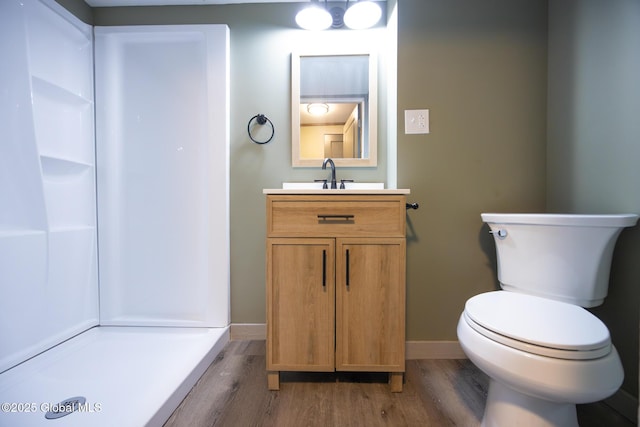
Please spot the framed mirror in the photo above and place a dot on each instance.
(334, 109)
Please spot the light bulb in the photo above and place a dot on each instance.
(314, 18)
(362, 15)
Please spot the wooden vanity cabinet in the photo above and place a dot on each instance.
(336, 284)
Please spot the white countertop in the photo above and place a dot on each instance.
(388, 191)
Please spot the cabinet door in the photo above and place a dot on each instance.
(370, 304)
(300, 304)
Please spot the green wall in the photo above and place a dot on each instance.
(480, 68)
(593, 155)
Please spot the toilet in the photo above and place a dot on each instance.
(543, 352)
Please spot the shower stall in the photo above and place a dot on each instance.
(114, 216)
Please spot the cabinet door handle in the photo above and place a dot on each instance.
(346, 217)
(347, 265)
(324, 268)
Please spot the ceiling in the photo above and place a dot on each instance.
(113, 3)
(109, 3)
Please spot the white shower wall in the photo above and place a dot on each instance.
(163, 160)
(48, 277)
(162, 168)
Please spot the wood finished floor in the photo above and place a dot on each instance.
(233, 393)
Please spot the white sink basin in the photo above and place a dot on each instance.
(318, 185)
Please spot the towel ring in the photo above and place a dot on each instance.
(261, 119)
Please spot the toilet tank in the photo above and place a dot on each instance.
(564, 257)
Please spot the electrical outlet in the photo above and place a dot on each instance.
(416, 121)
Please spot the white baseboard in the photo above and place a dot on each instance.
(625, 404)
(248, 331)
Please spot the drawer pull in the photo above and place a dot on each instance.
(347, 217)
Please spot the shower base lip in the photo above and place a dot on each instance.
(130, 376)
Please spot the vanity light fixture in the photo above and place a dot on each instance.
(317, 108)
(359, 16)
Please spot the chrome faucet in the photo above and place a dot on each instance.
(334, 185)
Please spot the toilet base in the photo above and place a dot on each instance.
(507, 407)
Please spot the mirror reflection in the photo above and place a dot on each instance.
(333, 109)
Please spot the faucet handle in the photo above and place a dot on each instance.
(342, 181)
(324, 183)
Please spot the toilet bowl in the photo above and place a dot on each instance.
(543, 352)
(541, 378)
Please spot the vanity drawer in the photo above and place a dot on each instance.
(335, 216)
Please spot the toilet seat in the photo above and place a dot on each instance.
(538, 325)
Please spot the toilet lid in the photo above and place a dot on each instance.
(538, 325)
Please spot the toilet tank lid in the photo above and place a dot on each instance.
(538, 321)
(586, 220)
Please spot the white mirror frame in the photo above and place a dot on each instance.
(370, 161)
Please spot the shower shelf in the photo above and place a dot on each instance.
(64, 123)
(72, 228)
(6, 232)
(68, 191)
(52, 90)
(57, 167)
